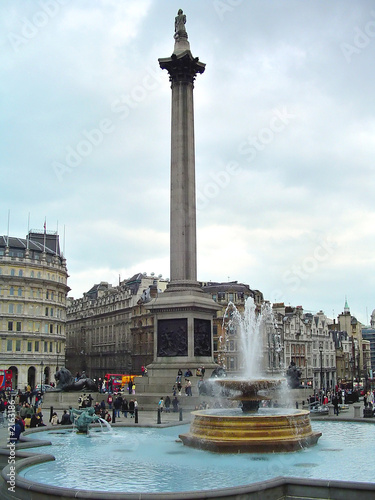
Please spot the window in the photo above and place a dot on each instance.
(11, 291)
(19, 292)
(37, 346)
(19, 308)
(50, 347)
(32, 274)
(20, 272)
(12, 272)
(10, 326)
(9, 345)
(19, 326)
(45, 346)
(29, 346)
(18, 345)
(46, 313)
(51, 328)
(11, 308)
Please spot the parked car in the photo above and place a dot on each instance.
(318, 409)
(44, 387)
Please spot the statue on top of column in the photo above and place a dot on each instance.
(179, 24)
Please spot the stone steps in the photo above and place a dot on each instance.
(146, 401)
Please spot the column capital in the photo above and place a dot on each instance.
(182, 67)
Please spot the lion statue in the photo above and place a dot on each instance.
(65, 381)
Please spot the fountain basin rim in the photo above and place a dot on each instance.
(215, 413)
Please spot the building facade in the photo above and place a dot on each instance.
(227, 347)
(33, 291)
(309, 344)
(109, 330)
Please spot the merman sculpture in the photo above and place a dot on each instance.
(82, 419)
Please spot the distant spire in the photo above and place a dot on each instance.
(346, 307)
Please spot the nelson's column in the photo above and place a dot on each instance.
(183, 313)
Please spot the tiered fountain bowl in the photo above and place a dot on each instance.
(250, 429)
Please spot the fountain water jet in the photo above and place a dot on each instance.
(250, 430)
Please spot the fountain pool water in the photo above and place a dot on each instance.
(150, 460)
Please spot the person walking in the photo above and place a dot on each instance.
(117, 405)
(167, 404)
(110, 401)
(335, 402)
(131, 408)
(125, 407)
(175, 404)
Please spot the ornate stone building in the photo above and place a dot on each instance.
(33, 290)
(109, 330)
(309, 343)
(227, 351)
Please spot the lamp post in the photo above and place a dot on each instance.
(41, 376)
(351, 362)
(321, 367)
(58, 351)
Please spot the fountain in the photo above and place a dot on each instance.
(250, 429)
(82, 419)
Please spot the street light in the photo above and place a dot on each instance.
(41, 376)
(351, 362)
(321, 366)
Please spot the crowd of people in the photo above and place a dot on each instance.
(178, 389)
(114, 403)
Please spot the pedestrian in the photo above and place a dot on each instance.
(335, 402)
(54, 419)
(110, 401)
(131, 408)
(167, 404)
(16, 430)
(117, 405)
(175, 404)
(161, 404)
(65, 419)
(125, 407)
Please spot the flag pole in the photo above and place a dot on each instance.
(8, 227)
(28, 232)
(45, 228)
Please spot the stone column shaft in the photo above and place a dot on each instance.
(183, 246)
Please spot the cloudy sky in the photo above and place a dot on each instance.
(284, 133)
